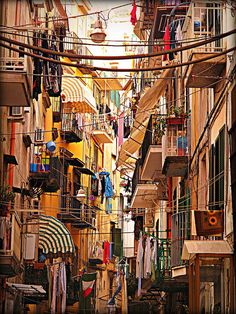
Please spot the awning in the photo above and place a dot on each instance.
(54, 237)
(77, 95)
(108, 83)
(208, 247)
(27, 290)
(85, 171)
(76, 162)
(147, 103)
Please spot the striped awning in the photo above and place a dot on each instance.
(76, 95)
(54, 237)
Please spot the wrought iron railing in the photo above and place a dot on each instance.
(204, 20)
(70, 123)
(72, 43)
(102, 123)
(180, 232)
(163, 259)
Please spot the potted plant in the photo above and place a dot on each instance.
(6, 196)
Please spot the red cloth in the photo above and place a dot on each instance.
(133, 18)
(106, 252)
(166, 39)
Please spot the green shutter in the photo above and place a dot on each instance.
(117, 242)
(221, 167)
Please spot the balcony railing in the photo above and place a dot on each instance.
(175, 151)
(74, 44)
(102, 128)
(163, 259)
(10, 252)
(180, 232)
(152, 137)
(56, 108)
(44, 169)
(14, 69)
(79, 215)
(71, 130)
(205, 20)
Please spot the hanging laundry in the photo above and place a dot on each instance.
(63, 287)
(38, 67)
(172, 40)
(133, 18)
(139, 264)
(147, 258)
(166, 39)
(121, 129)
(108, 185)
(178, 35)
(86, 292)
(61, 37)
(106, 252)
(108, 205)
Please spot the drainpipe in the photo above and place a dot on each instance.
(169, 192)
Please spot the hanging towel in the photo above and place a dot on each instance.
(166, 39)
(121, 129)
(147, 259)
(139, 265)
(133, 18)
(178, 35)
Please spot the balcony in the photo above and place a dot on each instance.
(73, 44)
(175, 150)
(162, 15)
(204, 21)
(56, 108)
(10, 252)
(151, 153)
(15, 83)
(71, 131)
(102, 130)
(165, 281)
(44, 170)
(80, 216)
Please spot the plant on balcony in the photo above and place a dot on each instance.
(6, 196)
(159, 126)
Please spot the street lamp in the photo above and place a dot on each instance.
(98, 34)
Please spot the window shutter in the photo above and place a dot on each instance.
(221, 167)
(211, 175)
(117, 242)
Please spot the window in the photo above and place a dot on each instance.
(15, 111)
(216, 172)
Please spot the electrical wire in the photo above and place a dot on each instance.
(124, 44)
(140, 111)
(124, 57)
(95, 68)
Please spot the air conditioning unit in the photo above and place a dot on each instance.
(16, 111)
(29, 246)
(39, 135)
